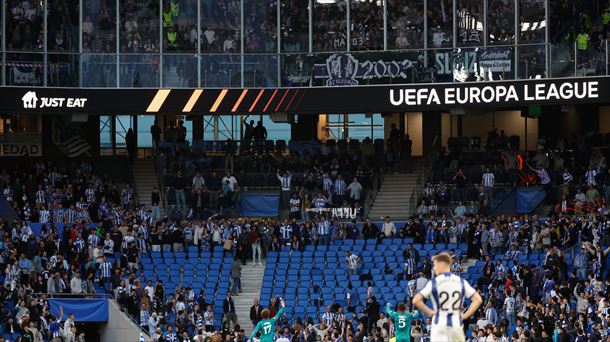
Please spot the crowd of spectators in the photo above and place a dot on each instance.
(573, 173)
(322, 176)
(564, 295)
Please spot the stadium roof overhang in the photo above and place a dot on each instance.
(349, 99)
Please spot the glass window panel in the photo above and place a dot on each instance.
(562, 60)
(220, 26)
(440, 23)
(470, 22)
(99, 70)
(501, 21)
(62, 23)
(123, 124)
(99, 26)
(260, 71)
(24, 69)
(405, 24)
(220, 70)
(330, 25)
(105, 132)
(531, 61)
(139, 71)
(276, 130)
(144, 123)
(565, 16)
(139, 29)
(532, 21)
(296, 70)
(179, 20)
(228, 127)
(295, 25)
(24, 21)
(335, 126)
(63, 70)
(180, 71)
(260, 30)
(366, 31)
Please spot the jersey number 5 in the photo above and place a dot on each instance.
(402, 322)
(456, 296)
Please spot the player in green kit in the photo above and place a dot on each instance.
(402, 322)
(267, 325)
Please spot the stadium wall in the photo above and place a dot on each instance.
(120, 328)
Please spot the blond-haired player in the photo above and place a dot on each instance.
(448, 292)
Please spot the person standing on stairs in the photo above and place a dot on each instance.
(179, 190)
(255, 312)
(155, 199)
(155, 132)
(236, 276)
(255, 240)
(228, 307)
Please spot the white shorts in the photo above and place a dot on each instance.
(447, 334)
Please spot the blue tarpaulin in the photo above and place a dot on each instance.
(84, 310)
(259, 205)
(529, 199)
(36, 227)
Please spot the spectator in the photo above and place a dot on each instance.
(353, 262)
(488, 183)
(179, 191)
(389, 229)
(236, 276)
(255, 312)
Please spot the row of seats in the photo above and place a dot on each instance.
(210, 271)
(319, 276)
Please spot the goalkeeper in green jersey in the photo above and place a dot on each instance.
(402, 322)
(267, 325)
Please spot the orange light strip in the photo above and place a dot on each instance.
(260, 93)
(292, 99)
(158, 100)
(219, 100)
(241, 97)
(192, 101)
(282, 100)
(271, 99)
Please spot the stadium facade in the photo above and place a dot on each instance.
(290, 44)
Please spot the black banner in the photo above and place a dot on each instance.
(356, 99)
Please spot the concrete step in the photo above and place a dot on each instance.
(251, 283)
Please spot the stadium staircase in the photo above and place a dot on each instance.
(396, 193)
(251, 285)
(146, 178)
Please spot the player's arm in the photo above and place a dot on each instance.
(282, 309)
(418, 301)
(255, 331)
(388, 309)
(474, 306)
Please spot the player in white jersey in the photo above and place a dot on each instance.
(448, 292)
